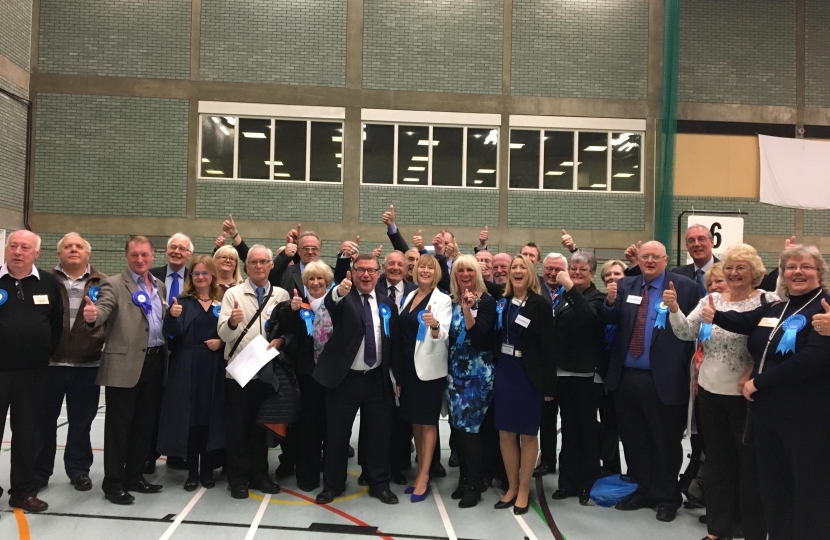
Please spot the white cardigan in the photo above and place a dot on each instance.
(431, 354)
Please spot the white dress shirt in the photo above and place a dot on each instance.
(358, 364)
(399, 294)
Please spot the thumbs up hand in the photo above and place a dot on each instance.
(236, 315)
(564, 278)
(821, 321)
(439, 243)
(418, 241)
(632, 254)
(388, 217)
(220, 241)
(670, 298)
(610, 292)
(90, 311)
(377, 252)
(296, 301)
(568, 241)
(429, 319)
(707, 315)
(483, 237)
(229, 227)
(346, 285)
(176, 309)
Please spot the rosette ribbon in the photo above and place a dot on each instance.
(308, 316)
(142, 300)
(705, 333)
(3, 296)
(792, 326)
(216, 310)
(662, 310)
(610, 333)
(422, 326)
(93, 293)
(386, 314)
(499, 310)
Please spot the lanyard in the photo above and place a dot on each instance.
(509, 322)
(778, 326)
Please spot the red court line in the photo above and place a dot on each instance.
(333, 509)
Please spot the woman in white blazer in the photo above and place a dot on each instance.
(424, 332)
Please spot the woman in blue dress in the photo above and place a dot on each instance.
(470, 377)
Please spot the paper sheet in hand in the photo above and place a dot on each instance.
(248, 362)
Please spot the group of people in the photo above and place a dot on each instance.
(717, 348)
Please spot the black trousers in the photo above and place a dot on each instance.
(732, 473)
(247, 445)
(368, 393)
(128, 425)
(492, 464)
(793, 471)
(400, 449)
(578, 399)
(652, 435)
(308, 433)
(549, 432)
(82, 395)
(608, 435)
(21, 390)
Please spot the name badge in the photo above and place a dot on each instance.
(474, 313)
(41, 299)
(507, 349)
(521, 320)
(636, 300)
(769, 322)
(268, 311)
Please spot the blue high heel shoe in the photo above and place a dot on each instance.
(411, 488)
(418, 498)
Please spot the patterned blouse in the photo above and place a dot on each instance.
(321, 328)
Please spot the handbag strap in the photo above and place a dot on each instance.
(251, 322)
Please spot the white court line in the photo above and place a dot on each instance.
(261, 512)
(183, 514)
(443, 511)
(522, 523)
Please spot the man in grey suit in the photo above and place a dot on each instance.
(133, 367)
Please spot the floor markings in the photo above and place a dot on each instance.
(261, 512)
(22, 524)
(443, 511)
(176, 522)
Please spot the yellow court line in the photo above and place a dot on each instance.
(22, 524)
(360, 493)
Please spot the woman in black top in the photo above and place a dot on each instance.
(789, 394)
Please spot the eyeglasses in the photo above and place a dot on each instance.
(178, 248)
(19, 287)
(200, 274)
(581, 270)
(698, 240)
(803, 268)
(227, 258)
(310, 249)
(554, 270)
(261, 262)
(652, 257)
(738, 268)
(361, 271)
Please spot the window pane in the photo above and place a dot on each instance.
(625, 161)
(559, 155)
(289, 150)
(254, 148)
(378, 153)
(217, 146)
(326, 151)
(482, 155)
(524, 159)
(593, 161)
(413, 146)
(447, 150)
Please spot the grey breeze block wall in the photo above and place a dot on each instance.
(15, 31)
(558, 209)
(12, 153)
(433, 45)
(136, 38)
(466, 207)
(817, 222)
(277, 201)
(205, 246)
(818, 54)
(301, 43)
(738, 52)
(763, 219)
(103, 155)
(596, 49)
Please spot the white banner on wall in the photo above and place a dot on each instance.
(726, 231)
(795, 173)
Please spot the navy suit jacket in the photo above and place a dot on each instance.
(349, 329)
(383, 290)
(670, 356)
(686, 270)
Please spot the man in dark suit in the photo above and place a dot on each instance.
(356, 368)
(648, 374)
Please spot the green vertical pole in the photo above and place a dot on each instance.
(664, 185)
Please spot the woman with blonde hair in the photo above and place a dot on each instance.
(228, 273)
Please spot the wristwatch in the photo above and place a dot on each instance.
(436, 327)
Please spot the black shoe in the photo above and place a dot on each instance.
(239, 492)
(399, 478)
(143, 486)
(702, 519)
(585, 498)
(308, 487)
(519, 510)
(438, 471)
(453, 462)
(471, 498)
(119, 497)
(635, 502)
(175, 462)
(666, 513)
(384, 495)
(265, 485)
(561, 495)
(81, 482)
(501, 505)
(361, 480)
(460, 490)
(542, 470)
(351, 451)
(149, 466)
(191, 484)
(207, 482)
(284, 471)
(327, 496)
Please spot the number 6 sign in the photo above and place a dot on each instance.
(726, 231)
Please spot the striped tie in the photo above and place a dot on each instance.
(638, 336)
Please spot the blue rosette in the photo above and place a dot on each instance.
(610, 333)
(308, 316)
(3, 296)
(142, 300)
(386, 314)
(792, 326)
(662, 309)
(93, 293)
(422, 326)
(499, 310)
(705, 333)
(216, 310)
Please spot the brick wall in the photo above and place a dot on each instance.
(554, 210)
(136, 38)
(300, 43)
(467, 207)
(107, 252)
(12, 153)
(762, 218)
(596, 49)
(15, 31)
(102, 155)
(818, 53)
(433, 45)
(276, 201)
(817, 222)
(738, 52)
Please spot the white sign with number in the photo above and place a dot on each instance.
(726, 231)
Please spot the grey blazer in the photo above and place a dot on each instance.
(127, 329)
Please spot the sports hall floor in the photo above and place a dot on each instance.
(213, 514)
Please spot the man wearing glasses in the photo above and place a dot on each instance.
(31, 325)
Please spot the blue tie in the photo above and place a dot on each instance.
(174, 288)
(700, 285)
(370, 351)
(260, 294)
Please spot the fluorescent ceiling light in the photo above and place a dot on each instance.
(340, 139)
(338, 155)
(622, 138)
(597, 185)
(339, 166)
(282, 174)
(277, 163)
(253, 134)
(424, 142)
(569, 163)
(516, 146)
(205, 160)
(214, 171)
(411, 180)
(635, 167)
(215, 119)
(477, 135)
(623, 175)
(478, 181)
(410, 133)
(341, 129)
(485, 171)
(224, 130)
(231, 120)
(554, 173)
(420, 158)
(417, 169)
(595, 148)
